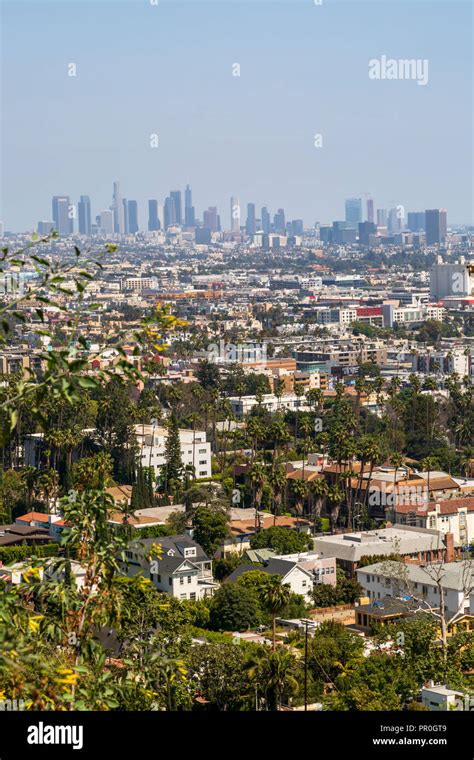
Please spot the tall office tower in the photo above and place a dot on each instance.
(365, 230)
(117, 208)
(250, 223)
(63, 222)
(84, 215)
(169, 212)
(436, 226)
(395, 220)
(234, 214)
(354, 211)
(132, 214)
(381, 217)
(153, 221)
(107, 221)
(370, 210)
(176, 196)
(125, 216)
(266, 224)
(44, 228)
(189, 215)
(416, 221)
(210, 219)
(279, 221)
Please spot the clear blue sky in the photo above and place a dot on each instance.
(167, 69)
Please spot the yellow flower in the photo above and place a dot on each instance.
(33, 623)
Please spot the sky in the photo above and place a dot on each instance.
(168, 69)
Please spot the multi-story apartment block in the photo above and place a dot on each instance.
(195, 449)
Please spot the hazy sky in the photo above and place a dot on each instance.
(168, 69)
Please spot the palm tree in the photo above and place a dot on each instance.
(256, 433)
(275, 598)
(275, 671)
(335, 497)
(396, 459)
(319, 489)
(278, 485)
(428, 464)
(278, 388)
(300, 490)
(258, 479)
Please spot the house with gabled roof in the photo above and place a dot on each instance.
(176, 565)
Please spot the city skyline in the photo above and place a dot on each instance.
(236, 116)
(122, 217)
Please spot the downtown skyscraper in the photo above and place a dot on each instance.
(353, 211)
(117, 208)
(84, 215)
(189, 215)
(62, 215)
(234, 214)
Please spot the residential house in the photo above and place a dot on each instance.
(181, 569)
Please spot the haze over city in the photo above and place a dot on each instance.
(92, 82)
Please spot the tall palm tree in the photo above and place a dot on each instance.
(335, 497)
(258, 478)
(278, 485)
(319, 490)
(275, 598)
(300, 490)
(428, 464)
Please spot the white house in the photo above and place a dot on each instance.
(195, 449)
(180, 568)
(294, 575)
(400, 580)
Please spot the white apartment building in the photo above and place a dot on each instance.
(451, 279)
(444, 360)
(454, 516)
(400, 580)
(195, 449)
(242, 405)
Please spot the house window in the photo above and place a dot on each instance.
(170, 581)
(202, 473)
(203, 461)
(182, 596)
(181, 581)
(192, 596)
(303, 583)
(189, 579)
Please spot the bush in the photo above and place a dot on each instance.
(281, 540)
(11, 554)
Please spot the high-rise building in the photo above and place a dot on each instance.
(176, 196)
(63, 220)
(210, 219)
(84, 215)
(107, 221)
(365, 230)
(250, 227)
(381, 217)
(132, 213)
(370, 209)
(266, 224)
(169, 212)
(354, 211)
(416, 221)
(396, 220)
(234, 214)
(153, 220)
(125, 216)
(279, 221)
(117, 208)
(436, 226)
(189, 215)
(44, 228)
